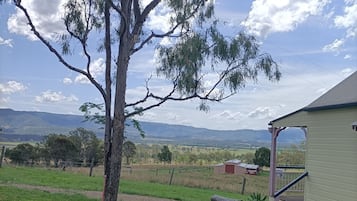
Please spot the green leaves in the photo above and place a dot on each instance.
(257, 197)
(262, 157)
(74, 19)
(234, 61)
(183, 63)
(97, 117)
(165, 155)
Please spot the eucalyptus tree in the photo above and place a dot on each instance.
(87, 143)
(165, 155)
(129, 150)
(198, 53)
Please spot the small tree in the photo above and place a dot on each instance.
(87, 143)
(262, 157)
(129, 150)
(60, 147)
(165, 155)
(22, 154)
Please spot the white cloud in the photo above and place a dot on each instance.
(267, 17)
(6, 42)
(227, 114)
(262, 113)
(349, 19)
(335, 46)
(11, 87)
(347, 56)
(81, 79)
(346, 72)
(159, 18)
(46, 16)
(52, 96)
(67, 80)
(97, 69)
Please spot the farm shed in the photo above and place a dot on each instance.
(231, 166)
(329, 124)
(245, 168)
(235, 166)
(219, 168)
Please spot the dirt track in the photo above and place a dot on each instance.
(89, 194)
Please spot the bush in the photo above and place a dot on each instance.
(257, 197)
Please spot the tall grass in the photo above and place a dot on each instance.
(199, 177)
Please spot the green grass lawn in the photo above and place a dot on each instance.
(8, 193)
(66, 180)
(172, 192)
(50, 177)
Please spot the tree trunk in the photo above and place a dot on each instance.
(107, 99)
(112, 185)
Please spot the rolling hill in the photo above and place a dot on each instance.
(32, 126)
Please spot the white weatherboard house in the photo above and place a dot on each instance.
(330, 126)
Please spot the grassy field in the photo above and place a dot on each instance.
(13, 193)
(49, 177)
(79, 181)
(190, 176)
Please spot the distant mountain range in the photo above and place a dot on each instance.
(32, 126)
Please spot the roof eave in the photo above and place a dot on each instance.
(312, 109)
(329, 107)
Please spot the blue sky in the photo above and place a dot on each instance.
(313, 41)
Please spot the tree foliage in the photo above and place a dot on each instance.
(262, 157)
(60, 148)
(87, 144)
(293, 156)
(197, 49)
(23, 153)
(129, 150)
(165, 155)
(80, 146)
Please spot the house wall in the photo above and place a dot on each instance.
(331, 156)
(295, 119)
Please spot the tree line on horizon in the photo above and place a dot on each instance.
(81, 147)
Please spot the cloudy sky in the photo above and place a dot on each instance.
(313, 41)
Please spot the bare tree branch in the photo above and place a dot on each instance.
(169, 97)
(168, 33)
(136, 8)
(55, 52)
(124, 18)
(140, 18)
(142, 100)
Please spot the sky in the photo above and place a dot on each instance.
(313, 41)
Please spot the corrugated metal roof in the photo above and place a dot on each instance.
(249, 166)
(236, 161)
(344, 93)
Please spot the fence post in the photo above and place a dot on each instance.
(2, 155)
(243, 186)
(91, 167)
(172, 175)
